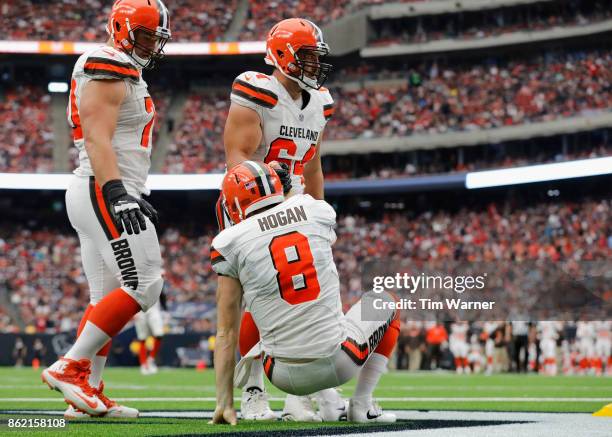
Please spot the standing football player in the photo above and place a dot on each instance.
(278, 256)
(150, 324)
(279, 119)
(112, 115)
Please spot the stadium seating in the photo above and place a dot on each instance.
(198, 143)
(263, 14)
(74, 20)
(50, 290)
(487, 23)
(436, 99)
(26, 134)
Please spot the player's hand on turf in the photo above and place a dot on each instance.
(282, 170)
(224, 416)
(128, 212)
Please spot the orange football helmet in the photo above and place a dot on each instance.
(130, 18)
(249, 187)
(295, 46)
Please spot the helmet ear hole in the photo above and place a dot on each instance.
(280, 54)
(117, 26)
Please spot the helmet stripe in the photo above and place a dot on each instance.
(257, 172)
(163, 14)
(317, 30)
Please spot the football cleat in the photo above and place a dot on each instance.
(113, 409)
(300, 409)
(364, 411)
(334, 409)
(144, 369)
(152, 366)
(255, 405)
(70, 377)
(72, 413)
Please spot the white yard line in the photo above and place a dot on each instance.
(381, 399)
(536, 424)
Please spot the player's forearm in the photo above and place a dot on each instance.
(225, 352)
(103, 160)
(313, 175)
(314, 185)
(229, 294)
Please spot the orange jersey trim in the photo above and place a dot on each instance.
(99, 67)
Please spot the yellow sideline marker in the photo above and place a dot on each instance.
(604, 412)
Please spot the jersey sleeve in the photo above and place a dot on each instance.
(253, 90)
(105, 64)
(221, 265)
(328, 103)
(325, 216)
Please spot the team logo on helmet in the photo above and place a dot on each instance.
(249, 187)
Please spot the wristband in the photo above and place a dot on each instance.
(113, 190)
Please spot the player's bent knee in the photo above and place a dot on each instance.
(152, 292)
(147, 294)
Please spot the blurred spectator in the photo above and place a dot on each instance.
(436, 337)
(20, 351)
(411, 346)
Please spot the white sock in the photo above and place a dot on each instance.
(369, 376)
(256, 378)
(89, 343)
(97, 367)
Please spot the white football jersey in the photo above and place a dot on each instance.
(585, 330)
(459, 332)
(290, 132)
(549, 330)
(132, 140)
(283, 259)
(490, 327)
(603, 328)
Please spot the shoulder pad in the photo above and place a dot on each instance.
(256, 88)
(224, 240)
(110, 63)
(328, 103)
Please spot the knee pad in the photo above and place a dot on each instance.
(151, 292)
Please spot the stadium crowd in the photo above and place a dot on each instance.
(263, 14)
(26, 133)
(43, 274)
(85, 20)
(381, 166)
(488, 22)
(434, 99)
(441, 99)
(197, 21)
(197, 146)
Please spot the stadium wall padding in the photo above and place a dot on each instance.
(120, 355)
